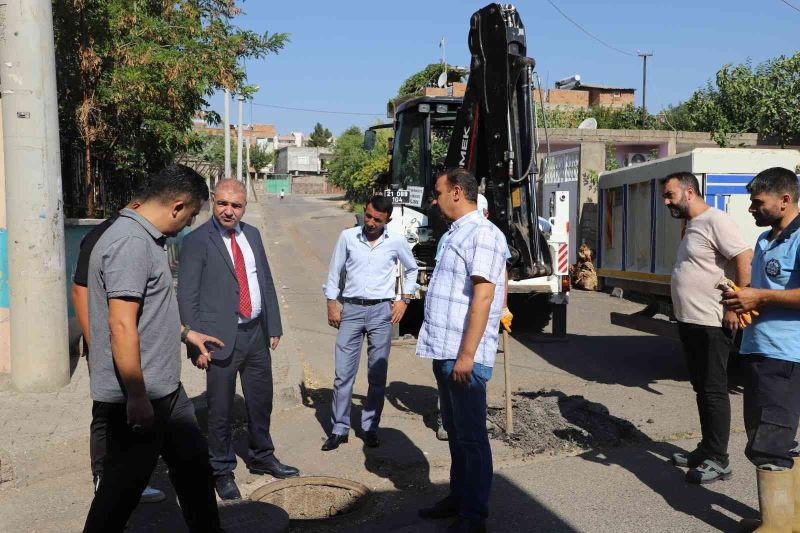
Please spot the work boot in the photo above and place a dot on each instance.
(776, 500)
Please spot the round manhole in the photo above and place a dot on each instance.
(313, 498)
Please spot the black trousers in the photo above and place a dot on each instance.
(771, 409)
(131, 457)
(707, 349)
(251, 359)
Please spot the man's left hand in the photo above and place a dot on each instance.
(398, 310)
(462, 370)
(273, 342)
(743, 300)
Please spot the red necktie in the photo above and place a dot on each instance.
(245, 306)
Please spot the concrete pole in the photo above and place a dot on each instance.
(247, 167)
(227, 134)
(644, 56)
(38, 299)
(240, 98)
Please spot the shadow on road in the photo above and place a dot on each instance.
(648, 460)
(630, 361)
(421, 400)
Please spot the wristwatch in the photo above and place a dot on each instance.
(185, 333)
(405, 300)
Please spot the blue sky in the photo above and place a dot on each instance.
(352, 56)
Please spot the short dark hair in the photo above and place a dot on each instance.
(381, 204)
(687, 181)
(464, 179)
(174, 181)
(775, 180)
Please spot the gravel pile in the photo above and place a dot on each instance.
(550, 422)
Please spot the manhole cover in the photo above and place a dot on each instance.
(313, 498)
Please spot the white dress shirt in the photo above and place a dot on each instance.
(370, 270)
(249, 265)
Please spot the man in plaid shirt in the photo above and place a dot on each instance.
(460, 331)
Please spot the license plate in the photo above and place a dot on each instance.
(401, 196)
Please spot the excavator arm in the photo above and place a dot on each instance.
(494, 136)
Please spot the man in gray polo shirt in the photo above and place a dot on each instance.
(135, 358)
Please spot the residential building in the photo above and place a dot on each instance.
(304, 169)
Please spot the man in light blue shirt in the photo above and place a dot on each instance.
(369, 256)
(771, 346)
(460, 333)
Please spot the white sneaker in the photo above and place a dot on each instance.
(151, 495)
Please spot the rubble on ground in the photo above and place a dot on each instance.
(550, 422)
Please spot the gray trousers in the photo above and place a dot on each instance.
(374, 321)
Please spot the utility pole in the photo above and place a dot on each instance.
(37, 276)
(644, 56)
(247, 180)
(227, 133)
(240, 98)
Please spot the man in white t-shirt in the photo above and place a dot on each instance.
(711, 247)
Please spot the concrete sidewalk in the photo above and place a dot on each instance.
(638, 378)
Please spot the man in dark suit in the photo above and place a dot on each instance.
(225, 289)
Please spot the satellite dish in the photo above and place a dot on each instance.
(442, 81)
(588, 124)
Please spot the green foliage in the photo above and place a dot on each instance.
(353, 168)
(132, 75)
(764, 99)
(211, 148)
(427, 77)
(260, 157)
(627, 117)
(591, 178)
(320, 136)
(611, 157)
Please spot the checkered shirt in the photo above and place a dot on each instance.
(475, 247)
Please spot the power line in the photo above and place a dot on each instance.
(791, 5)
(584, 30)
(318, 110)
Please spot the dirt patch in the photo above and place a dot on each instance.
(6, 470)
(550, 422)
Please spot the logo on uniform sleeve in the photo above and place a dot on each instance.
(772, 268)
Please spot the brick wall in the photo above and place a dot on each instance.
(608, 98)
(559, 97)
(313, 185)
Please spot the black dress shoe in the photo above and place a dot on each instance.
(442, 509)
(272, 467)
(371, 439)
(334, 441)
(462, 525)
(226, 487)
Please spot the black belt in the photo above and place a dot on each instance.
(362, 301)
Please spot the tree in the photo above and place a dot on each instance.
(353, 168)
(320, 136)
(764, 99)
(427, 77)
(133, 75)
(260, 157)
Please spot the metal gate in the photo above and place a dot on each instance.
(276, 183)
(562, 174)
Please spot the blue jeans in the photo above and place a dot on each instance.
(463, 410)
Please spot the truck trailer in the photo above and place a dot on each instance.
(637, 239)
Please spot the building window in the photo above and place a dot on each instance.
(616, 94)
